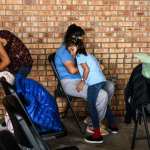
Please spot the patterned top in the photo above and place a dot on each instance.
(18, 53)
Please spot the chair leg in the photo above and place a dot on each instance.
(146, 127)
(75, 116)
(135, 131)
(67, 109)
(69, 100)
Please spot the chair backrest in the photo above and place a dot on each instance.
(51, 59)
(24, 130)
(59, 91)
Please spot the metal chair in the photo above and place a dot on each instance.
(24, 130)
(60, 91)
(140, 116)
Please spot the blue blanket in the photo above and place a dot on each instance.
(41, 106)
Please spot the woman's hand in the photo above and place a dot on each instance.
(3, 41)
(102, 67)
(80, 85)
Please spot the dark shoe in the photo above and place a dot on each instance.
(90, 139)
(127, 119)
(3, 124)
(113, 129)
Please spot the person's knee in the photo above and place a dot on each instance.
(101, 104)
(110, 88)
(70, 89)
(105, 96)
(102, 97)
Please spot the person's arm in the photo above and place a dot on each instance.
(71, 67)
(85, 71)
(4, 59)
(84, 77)
(102, 67)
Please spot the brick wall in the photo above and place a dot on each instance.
(115, 30)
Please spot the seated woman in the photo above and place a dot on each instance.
(70, 77)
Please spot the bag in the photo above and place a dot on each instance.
(145, 59)
(40, 105)
(146, 70)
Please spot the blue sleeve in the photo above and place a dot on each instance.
(81, 59)
(64, 55)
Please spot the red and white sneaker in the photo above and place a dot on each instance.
(103, 131)
(89, 130)
(90, 139)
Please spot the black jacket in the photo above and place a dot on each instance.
(137, 90)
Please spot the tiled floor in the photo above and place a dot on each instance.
(120, 141)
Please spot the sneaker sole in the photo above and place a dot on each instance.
(93, 142)
(89, 131)
(114, 132)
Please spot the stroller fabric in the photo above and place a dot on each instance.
(40, 104)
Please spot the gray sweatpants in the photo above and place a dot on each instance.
(69, 86)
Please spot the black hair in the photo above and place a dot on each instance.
(73, 32)
(80, 45)
(8, 36)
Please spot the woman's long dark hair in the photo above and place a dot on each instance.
(73, 32)
(79, 43)
(81, 47)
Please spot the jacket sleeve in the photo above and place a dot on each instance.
(129, 92)
(128, 95)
